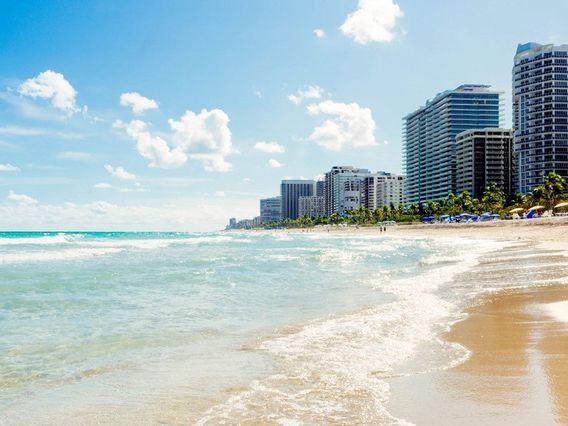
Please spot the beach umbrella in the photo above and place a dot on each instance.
(557, 206)
(536, 208)
(518, 209)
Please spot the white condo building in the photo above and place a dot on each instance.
(384, 189)
(344, 189)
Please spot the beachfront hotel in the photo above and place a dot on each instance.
(384, 189)
(270, 210)
(344, 189)
(290, 192)
(484, 156)
(429, 137)
(540, 112)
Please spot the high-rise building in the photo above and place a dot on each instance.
(313, 207)
(384, 189)
(484, 156)
(540, 112)
(270, 210)
(290, 192)
(344, 189)
(320, 188)
(429, 138)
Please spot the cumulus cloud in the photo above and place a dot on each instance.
(103, 185)
(119, 172)
(274, 164)
(270, 147)
(21, 198)
(319, 33)
(8, 168)
(205, 137)
(153, 148)
(53, 86)
(137, 102)
(373, 21)
(348, 125)
(310, 92)
(75, 156)
(220, 194)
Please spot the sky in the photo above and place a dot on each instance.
(176, 115)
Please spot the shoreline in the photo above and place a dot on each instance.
(516, 372)
(510, 230)
(517, 337)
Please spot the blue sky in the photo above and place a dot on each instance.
(208, 124)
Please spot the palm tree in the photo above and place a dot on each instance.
(494, 198)
(414, 209)
(549, 192)
(335, 219)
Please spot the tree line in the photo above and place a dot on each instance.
(494, 200)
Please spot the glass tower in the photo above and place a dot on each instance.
(540, 112)
(429, 138)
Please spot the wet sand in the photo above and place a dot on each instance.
(517, 373)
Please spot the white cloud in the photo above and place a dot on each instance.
(21, 131)
(101, 207)
(257, 93)
(75, 156)
(248, 180)
(53, 86)
(220, 194)
(310, 92)
(195, 214)
(153, 148)
(103, 185)
(275, 164)
(270, 147)
(119, 172)
(21, 198)
(319, 33)
(8, 168)
(137, 102)
(348, 125)
(205, 137)
(373, 21)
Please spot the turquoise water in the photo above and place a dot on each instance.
(174, 327)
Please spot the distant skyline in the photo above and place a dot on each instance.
(175, 116)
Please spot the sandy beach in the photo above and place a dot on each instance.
(517, 372)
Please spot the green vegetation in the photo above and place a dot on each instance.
(551, 192)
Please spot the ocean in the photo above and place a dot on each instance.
(224, 328)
